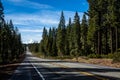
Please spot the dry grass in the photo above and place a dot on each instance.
(104, 62)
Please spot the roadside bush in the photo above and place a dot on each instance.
(111, 56)
(94, 56)
(75, 53)
(116, 57)
(104, 56)
(64, 57)
(91, 56)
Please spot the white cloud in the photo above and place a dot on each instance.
(28, 38)
(31, 41)
(30, 4)
(32, 19)
(31, 30)
(34, 23)
(44, 18)
(15, 1)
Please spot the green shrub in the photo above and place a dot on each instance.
(111, 56)
(104, 56)
(94, 56)
(116, 57)
(75, 53)
(64, 57)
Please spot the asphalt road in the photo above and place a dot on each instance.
(33, 68)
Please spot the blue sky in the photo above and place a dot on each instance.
(30, 16)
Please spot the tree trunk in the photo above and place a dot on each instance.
(99, 42)
(106, 40)
(116, 38)
(111, 37)
(99, 34)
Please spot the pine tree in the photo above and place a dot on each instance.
(1, 28)
(1, 13)
(96, 13)
(84, 30)
(99, 35)
(43, 43)
(50, 42)
(68, 37)
(54, 47)
(105, 31)
(113, 19)
(61, 32)
(77, 42)
(11, 47)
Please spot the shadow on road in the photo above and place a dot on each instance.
(65, 73)
(62, 73)
(59, 73)
(26, 70)
(79, 69)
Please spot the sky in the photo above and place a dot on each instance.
(31, 16)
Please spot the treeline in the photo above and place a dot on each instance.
(11, 47)
(97, 34)
(34, 47)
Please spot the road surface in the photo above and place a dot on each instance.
(33, 68)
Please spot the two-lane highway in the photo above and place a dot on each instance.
(34, 68)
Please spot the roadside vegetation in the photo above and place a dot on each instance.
(97, 35)
(11, 47)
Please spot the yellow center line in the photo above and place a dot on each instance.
(82, 72)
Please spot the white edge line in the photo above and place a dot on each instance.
(38, 72)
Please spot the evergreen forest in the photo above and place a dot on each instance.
(11, 47)
(97, 34)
